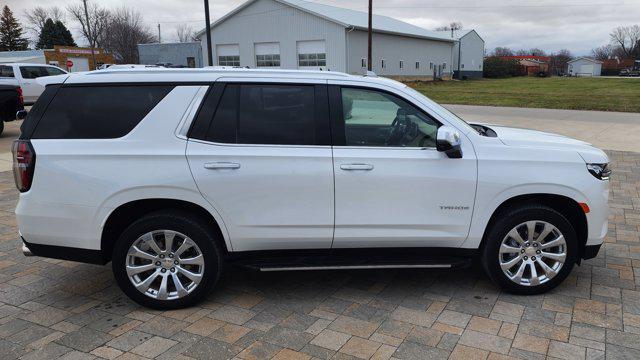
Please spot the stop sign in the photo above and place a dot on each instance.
(69, 63)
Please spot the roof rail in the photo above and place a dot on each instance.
(229, 71)
(370, 73)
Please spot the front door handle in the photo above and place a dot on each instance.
(353, 167)
(221, 165)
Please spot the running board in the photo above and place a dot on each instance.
(354, 267)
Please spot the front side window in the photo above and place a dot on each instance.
(98, 112)
(52, 71)
(315, 59)
(272, 60)
(6, 71)
(33, 72)
(229, 60)
(376, 118)
(269, 114)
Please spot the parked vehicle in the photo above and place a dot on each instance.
(629, 72)
(11, 105)
(25, 75)
(166, 176)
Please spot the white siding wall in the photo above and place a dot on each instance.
(576, 68)
(472, 53)
(394, 48)
(269, 21)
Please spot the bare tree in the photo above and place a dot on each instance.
(559, 60)
(522, 52)
(602, 53)
(628, 39)
(455, 25)
(125, 31)
(99, 19)
(37, 16)
(185, 33)
(502, 51)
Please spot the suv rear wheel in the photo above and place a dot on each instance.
(167, 260)
(530, 249)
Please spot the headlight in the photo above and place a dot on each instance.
(600, 171)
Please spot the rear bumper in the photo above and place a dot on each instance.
(63, 253)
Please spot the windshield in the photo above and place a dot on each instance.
(440, 107)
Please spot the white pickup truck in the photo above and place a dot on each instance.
(25, 75)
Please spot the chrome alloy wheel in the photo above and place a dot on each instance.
(165, 265)
(532, 253)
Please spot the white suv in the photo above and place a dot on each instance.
(170, 174)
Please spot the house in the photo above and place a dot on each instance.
(296, 34)
(187, 54)
(531, 64)
(468, 54)
(70, 58)
(584, 67)
(613, 66)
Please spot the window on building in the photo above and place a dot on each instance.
(383, 63)
(444, 66)
(417, 64)
(462, 66)
(312, 60)
(191, 61)
(401, 64)
(431, 65)
(229, 60)
(6, 71)
(363, 63)
(272, 60)
(270, 114)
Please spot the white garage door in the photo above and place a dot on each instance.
(79, 64)
(267, 55)
(586, 70)
(228, 55)
(312, 55)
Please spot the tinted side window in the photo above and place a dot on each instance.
(6, 71)
(31, 72)
(268, 114)
(51, 71)
(97, 112)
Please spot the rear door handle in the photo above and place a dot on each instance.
(352, 167)
(221, 165)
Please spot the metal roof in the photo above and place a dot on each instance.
(350, 18)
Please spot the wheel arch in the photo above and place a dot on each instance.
(125, 214)
(565, 205)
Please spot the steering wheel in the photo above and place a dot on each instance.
(401, 128)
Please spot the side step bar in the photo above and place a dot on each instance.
(354, 267)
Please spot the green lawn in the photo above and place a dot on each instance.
(552, 93)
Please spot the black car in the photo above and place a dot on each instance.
(11, 104)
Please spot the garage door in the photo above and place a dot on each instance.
(586, 70)
(267, 54)
(228, 55)
(79, 64)
(312, 55)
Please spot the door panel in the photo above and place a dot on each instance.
(269, 197)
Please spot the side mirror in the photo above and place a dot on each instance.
(448, 141)
(20, 115)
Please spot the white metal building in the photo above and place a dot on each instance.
(296, 34)
(468, 54)
(584, 67)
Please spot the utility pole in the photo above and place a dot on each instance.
(159, 37)
(91, 44)
(369, 52)
(208, 30)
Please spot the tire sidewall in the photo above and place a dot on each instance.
(509, 221)
(186, 225)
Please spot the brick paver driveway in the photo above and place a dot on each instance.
(51, 308)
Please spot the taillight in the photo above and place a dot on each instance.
(20, 96)
(24, 162)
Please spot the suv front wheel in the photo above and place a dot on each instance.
(167, 260)
(530, 249)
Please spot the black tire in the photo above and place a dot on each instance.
(508, 220)
(1, 127)
(183, 222)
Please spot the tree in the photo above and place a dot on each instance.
(502, 51)
(537, 52)
(495, 67)
(456, 25)
(627, 38)
(37, 17)
(602, 53)
(99, 19)
(124, 32)
(54, 33)
(11, 32)
(185, 33)
(559, 60)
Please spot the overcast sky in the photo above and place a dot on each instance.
(577, 25)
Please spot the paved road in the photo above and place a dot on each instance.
(51, 309)
(606, 130)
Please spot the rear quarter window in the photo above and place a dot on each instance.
(98, 112)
